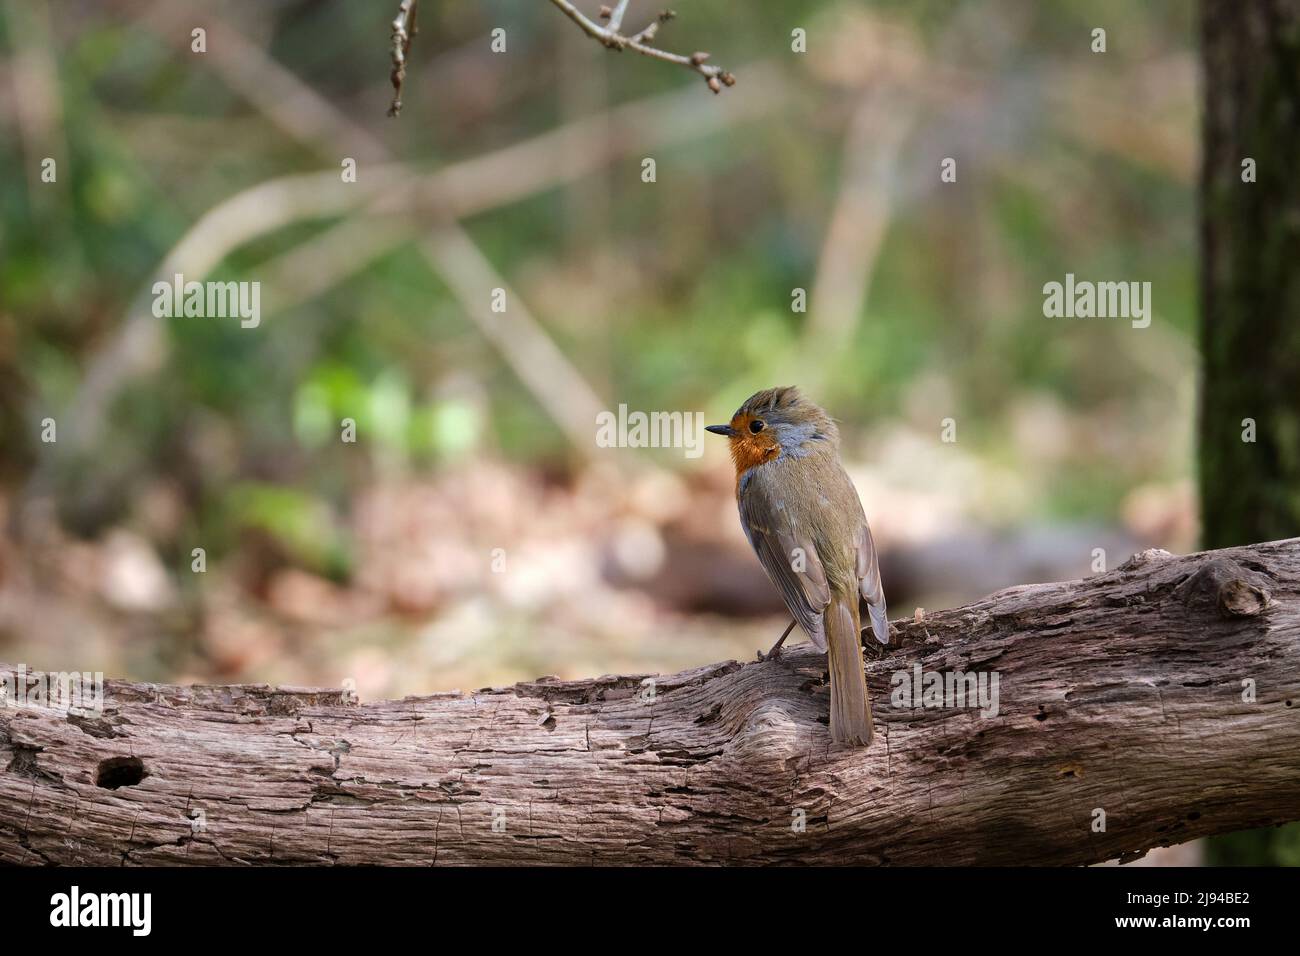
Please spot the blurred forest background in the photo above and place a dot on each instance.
(475, 534)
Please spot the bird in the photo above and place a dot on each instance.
(804, 519)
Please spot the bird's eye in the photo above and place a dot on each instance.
(756, 425)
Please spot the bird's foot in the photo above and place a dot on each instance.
(775, 652)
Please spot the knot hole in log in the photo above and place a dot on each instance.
(116, 772)
(1227, 587)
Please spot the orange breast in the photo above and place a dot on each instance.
(748, 450)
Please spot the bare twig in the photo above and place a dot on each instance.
(404, 30)
(523, 341)
(616, 17)
(395, 190)
(715, 76)
(648, 34)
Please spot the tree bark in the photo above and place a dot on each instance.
(1123, 698)
(1250, 272)
(1250, 282)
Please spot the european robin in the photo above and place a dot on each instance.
(805, 521)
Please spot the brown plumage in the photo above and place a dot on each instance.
(805, 521)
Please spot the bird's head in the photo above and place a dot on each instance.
(776, 422)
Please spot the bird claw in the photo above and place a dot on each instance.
(775, 652)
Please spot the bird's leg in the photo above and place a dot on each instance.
(867, 638)
(775, 652)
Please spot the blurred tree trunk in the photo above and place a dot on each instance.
(1250, 297)
(1250, 272)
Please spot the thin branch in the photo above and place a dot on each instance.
(648, 34)
(139, 344)
(615, 18)
(715, 76)
(577, 16)
(404, 31)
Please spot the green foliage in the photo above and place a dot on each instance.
(301, 524)
(1270, 846)
(674, 295)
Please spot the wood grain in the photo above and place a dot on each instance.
(1120, 693)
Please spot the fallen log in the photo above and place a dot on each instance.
(1145, 706)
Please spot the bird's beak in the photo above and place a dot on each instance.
(720, 430)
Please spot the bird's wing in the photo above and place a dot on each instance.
(868, 571)
(791, 561)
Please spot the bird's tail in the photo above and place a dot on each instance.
(850, 709)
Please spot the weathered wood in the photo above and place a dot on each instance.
(1122, 692)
